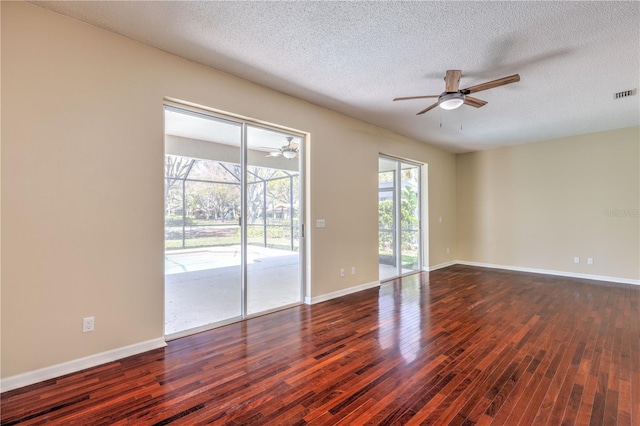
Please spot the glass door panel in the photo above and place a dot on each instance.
(399, 230)
(203, 283)
(410, 218)
(387, 242)
(273, 277)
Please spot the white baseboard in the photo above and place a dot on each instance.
(552, 272)
(339, 293)
(440, 266)
(75, 365)
(350, 290)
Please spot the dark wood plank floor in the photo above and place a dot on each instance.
(458, 346)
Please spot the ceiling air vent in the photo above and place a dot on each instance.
(624, 94)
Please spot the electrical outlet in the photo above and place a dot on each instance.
(87, 324)
(353, 270)
(576, 259)
(590, 261)
(447, 250)
(341, 273)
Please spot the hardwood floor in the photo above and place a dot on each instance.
(457, 346)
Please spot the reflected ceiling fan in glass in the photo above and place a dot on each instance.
(288, 151)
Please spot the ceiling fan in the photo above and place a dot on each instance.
(288, 151)
(453, 97)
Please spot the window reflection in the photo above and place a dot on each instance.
(401, 321)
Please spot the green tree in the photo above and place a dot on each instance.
(408, 220)
(385, 222)
(175, 170)
(409, 217)
(212, 200)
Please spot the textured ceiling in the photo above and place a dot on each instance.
(355, 57)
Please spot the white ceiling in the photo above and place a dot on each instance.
(355, 57)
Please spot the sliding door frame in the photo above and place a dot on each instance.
(302, 179)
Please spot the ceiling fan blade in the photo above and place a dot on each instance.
(474, 102)
(428, 108)
(452, 80)
(274, 154)
(416, 97)
(491, 84)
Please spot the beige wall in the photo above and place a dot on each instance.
(82, 193)
(539, 205)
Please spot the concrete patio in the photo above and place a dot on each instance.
(202, 286)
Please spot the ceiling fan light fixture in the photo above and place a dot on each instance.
(451, 100)
(289, 154)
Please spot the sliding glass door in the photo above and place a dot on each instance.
(273, 221)
(203, 267)
(232, 228)
(399, 224)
